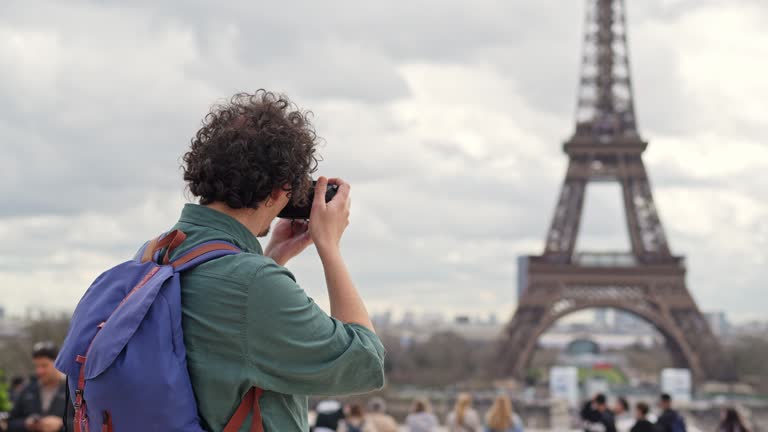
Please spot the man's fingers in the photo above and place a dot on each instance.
(320, 188)
(344, 190)
(344, 187)
(306, 238)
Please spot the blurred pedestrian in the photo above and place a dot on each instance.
(356, 420)
(501, 417)
(641, 415)
(463, 418)
(731, 422)
(17, 385)
(329, 414)
(596, 415)
(669, 419)
(377, 415)
(421, 418)
(622, 416)
(42, 402)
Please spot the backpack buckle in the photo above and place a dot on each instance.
(78, 398)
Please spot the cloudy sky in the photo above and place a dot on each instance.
(447, 117)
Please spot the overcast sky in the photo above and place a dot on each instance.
(446, 116)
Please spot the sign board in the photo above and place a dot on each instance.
(678, 383)
(564, 384)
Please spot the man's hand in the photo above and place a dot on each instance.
(329, 220)
(289, 238)
(32, 423)
(50, 424)
(326, 225)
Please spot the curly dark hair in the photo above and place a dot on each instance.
(250, 146)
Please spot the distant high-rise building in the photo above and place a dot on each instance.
(409, 319)
(625, 321)
(718, 322)
(382, 320)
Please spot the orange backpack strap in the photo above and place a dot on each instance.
(172, 240)
(149, 250)
(249, 405)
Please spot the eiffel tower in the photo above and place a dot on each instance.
(648, 282)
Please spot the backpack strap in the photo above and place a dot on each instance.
(249, 405)
(171, 240)
(198, 255)
(202, 253)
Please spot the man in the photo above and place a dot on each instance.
(623, 418)
(596, 415)
(669, 419)
(641, 415)
(377, 415)
(245, 319)
(40, 405)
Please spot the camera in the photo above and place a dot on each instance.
(292, 211)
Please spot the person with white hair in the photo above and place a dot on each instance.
(330, 413)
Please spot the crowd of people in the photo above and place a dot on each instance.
(599, 417)
(331, 415)
(40, 402)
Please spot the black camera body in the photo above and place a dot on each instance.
(293, 212)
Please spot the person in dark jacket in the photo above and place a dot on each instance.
(17, 385)
(596, 415)
(41, 404)
(669, 417)
(329, 414)
(641, 414)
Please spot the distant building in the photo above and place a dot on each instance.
(627, 322)
(11, 328)
(584, 352)
(718, 322)
(754, 328)
(409, 319)
(582, 347)
(382, 320)
(461, 319)
(473, 330)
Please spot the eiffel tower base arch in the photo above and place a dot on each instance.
(656, 293)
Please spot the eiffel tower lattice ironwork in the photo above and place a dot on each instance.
(649, 281)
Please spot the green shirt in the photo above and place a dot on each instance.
(247, 323)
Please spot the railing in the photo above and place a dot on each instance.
(607, 259)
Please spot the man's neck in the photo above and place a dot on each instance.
(51, 384)
(257, 221)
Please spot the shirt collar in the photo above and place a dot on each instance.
(196, 214)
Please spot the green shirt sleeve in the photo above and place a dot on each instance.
(294, 347)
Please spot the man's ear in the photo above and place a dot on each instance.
(280, 194)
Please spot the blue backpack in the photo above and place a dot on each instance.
(124, 354)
